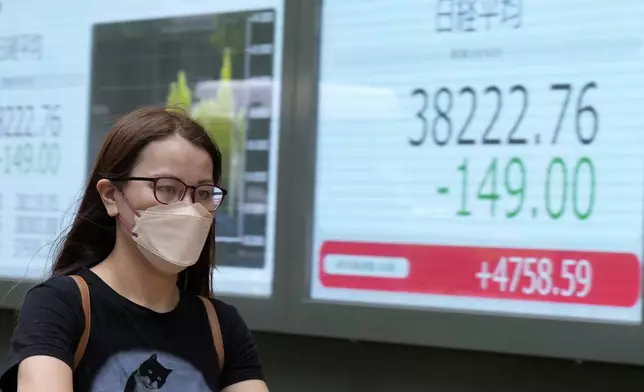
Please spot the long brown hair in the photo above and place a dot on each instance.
(92, 234)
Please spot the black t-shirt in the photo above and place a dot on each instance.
(130, 347)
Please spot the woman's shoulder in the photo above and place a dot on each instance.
(231, 322)
(55, 289)
(224, 309)
(63, 283)
(229, 317)
(57, 295)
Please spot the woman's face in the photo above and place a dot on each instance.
(172, 157)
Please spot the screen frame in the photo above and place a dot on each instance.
(578, 340)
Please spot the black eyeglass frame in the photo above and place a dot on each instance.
(155, 180)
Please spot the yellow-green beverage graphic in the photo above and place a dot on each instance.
(219, 69)
(223, 121)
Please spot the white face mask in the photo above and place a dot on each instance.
(172, 236)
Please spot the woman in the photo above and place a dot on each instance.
(143, 243)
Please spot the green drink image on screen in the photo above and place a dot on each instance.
(216, 111)
(219, 69)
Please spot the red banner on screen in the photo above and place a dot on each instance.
(590, 278)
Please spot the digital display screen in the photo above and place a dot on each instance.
(43, 128)
(481, 156)
(221, 63)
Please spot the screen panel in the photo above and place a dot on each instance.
(43, 101)
(221, 63)
(482, 157)
(65, 81)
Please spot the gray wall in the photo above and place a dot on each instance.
(6, 325)
(316, 365)
(307, 364)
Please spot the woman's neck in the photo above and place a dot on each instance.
(128, 273)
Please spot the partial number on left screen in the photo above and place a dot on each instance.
(29, 134)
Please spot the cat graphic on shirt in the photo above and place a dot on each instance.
(150, 376)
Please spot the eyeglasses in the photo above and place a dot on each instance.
(168, 190)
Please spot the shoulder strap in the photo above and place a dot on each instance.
(86, 303)
(82, 344)
(215, 329)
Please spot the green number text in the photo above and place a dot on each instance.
(505, 185)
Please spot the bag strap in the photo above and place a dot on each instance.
(215, 329)
(82, 344)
